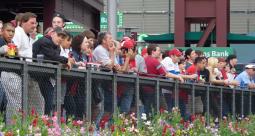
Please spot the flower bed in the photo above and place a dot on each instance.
(163, 124)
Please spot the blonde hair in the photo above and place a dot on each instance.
(212, 62)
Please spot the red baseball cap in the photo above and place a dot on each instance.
(129, 44)
(175, 52)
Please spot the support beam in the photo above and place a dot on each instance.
(207, 32)
(179, 23)
(48, 11)
(221, 23)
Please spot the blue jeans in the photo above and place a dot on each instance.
(149, 101)
(125, 100)
(170, 103)
(47, 91)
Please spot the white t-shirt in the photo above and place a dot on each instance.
(171, 68)
(23, 42)
(101, 55)
(64, 52)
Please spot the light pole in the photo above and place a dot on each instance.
(112, 19)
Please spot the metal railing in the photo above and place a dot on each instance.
(240, 101)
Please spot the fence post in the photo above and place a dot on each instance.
(157, 95)
(193, 99)
(208, 104)
(88, 80)
(25, 92)
(114, 85)
(242, 102)
(233, 104)
(58, 81)
(221, 102)
(137, 90)
(176, 94)
(250, 98)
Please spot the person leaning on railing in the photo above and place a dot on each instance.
(170, 63)
(246, 78)
(215, 74)
(49, 47)
(7, 32)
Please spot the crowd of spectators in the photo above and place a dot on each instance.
(90, 48)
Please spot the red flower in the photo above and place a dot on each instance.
(35, 121)
(161, 110)
(62, 120)
(192, 118)
(91, 129)
(167, 126)
(9, 133)
(75, 123)
(33, 111)
(123, 130)
(103, 121)
(112, 128)
(186, 124)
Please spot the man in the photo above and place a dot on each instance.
(49, 47)
(247, 81)
(154, 69)
(65, 46)
(203, 75)
(104, 54)
(171, 65)
(232, 62)
(246, 78)
(190, 56)
(21, 38)
(133, 63)
(58, 20)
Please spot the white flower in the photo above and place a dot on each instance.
(148, 123)
(17, 131)
(150, 128)
(126, 121)
(144, 116)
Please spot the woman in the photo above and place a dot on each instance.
(75, 98)
(216, 78)
(80, 46)
(215, 74)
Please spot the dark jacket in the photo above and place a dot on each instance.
(50, 50)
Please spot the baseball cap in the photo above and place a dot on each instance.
(59, 15)
(128, 44)
(175, 52)
(250, 66)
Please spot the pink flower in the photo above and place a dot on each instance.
(80, 122)
(82, 130)
(50, 132)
